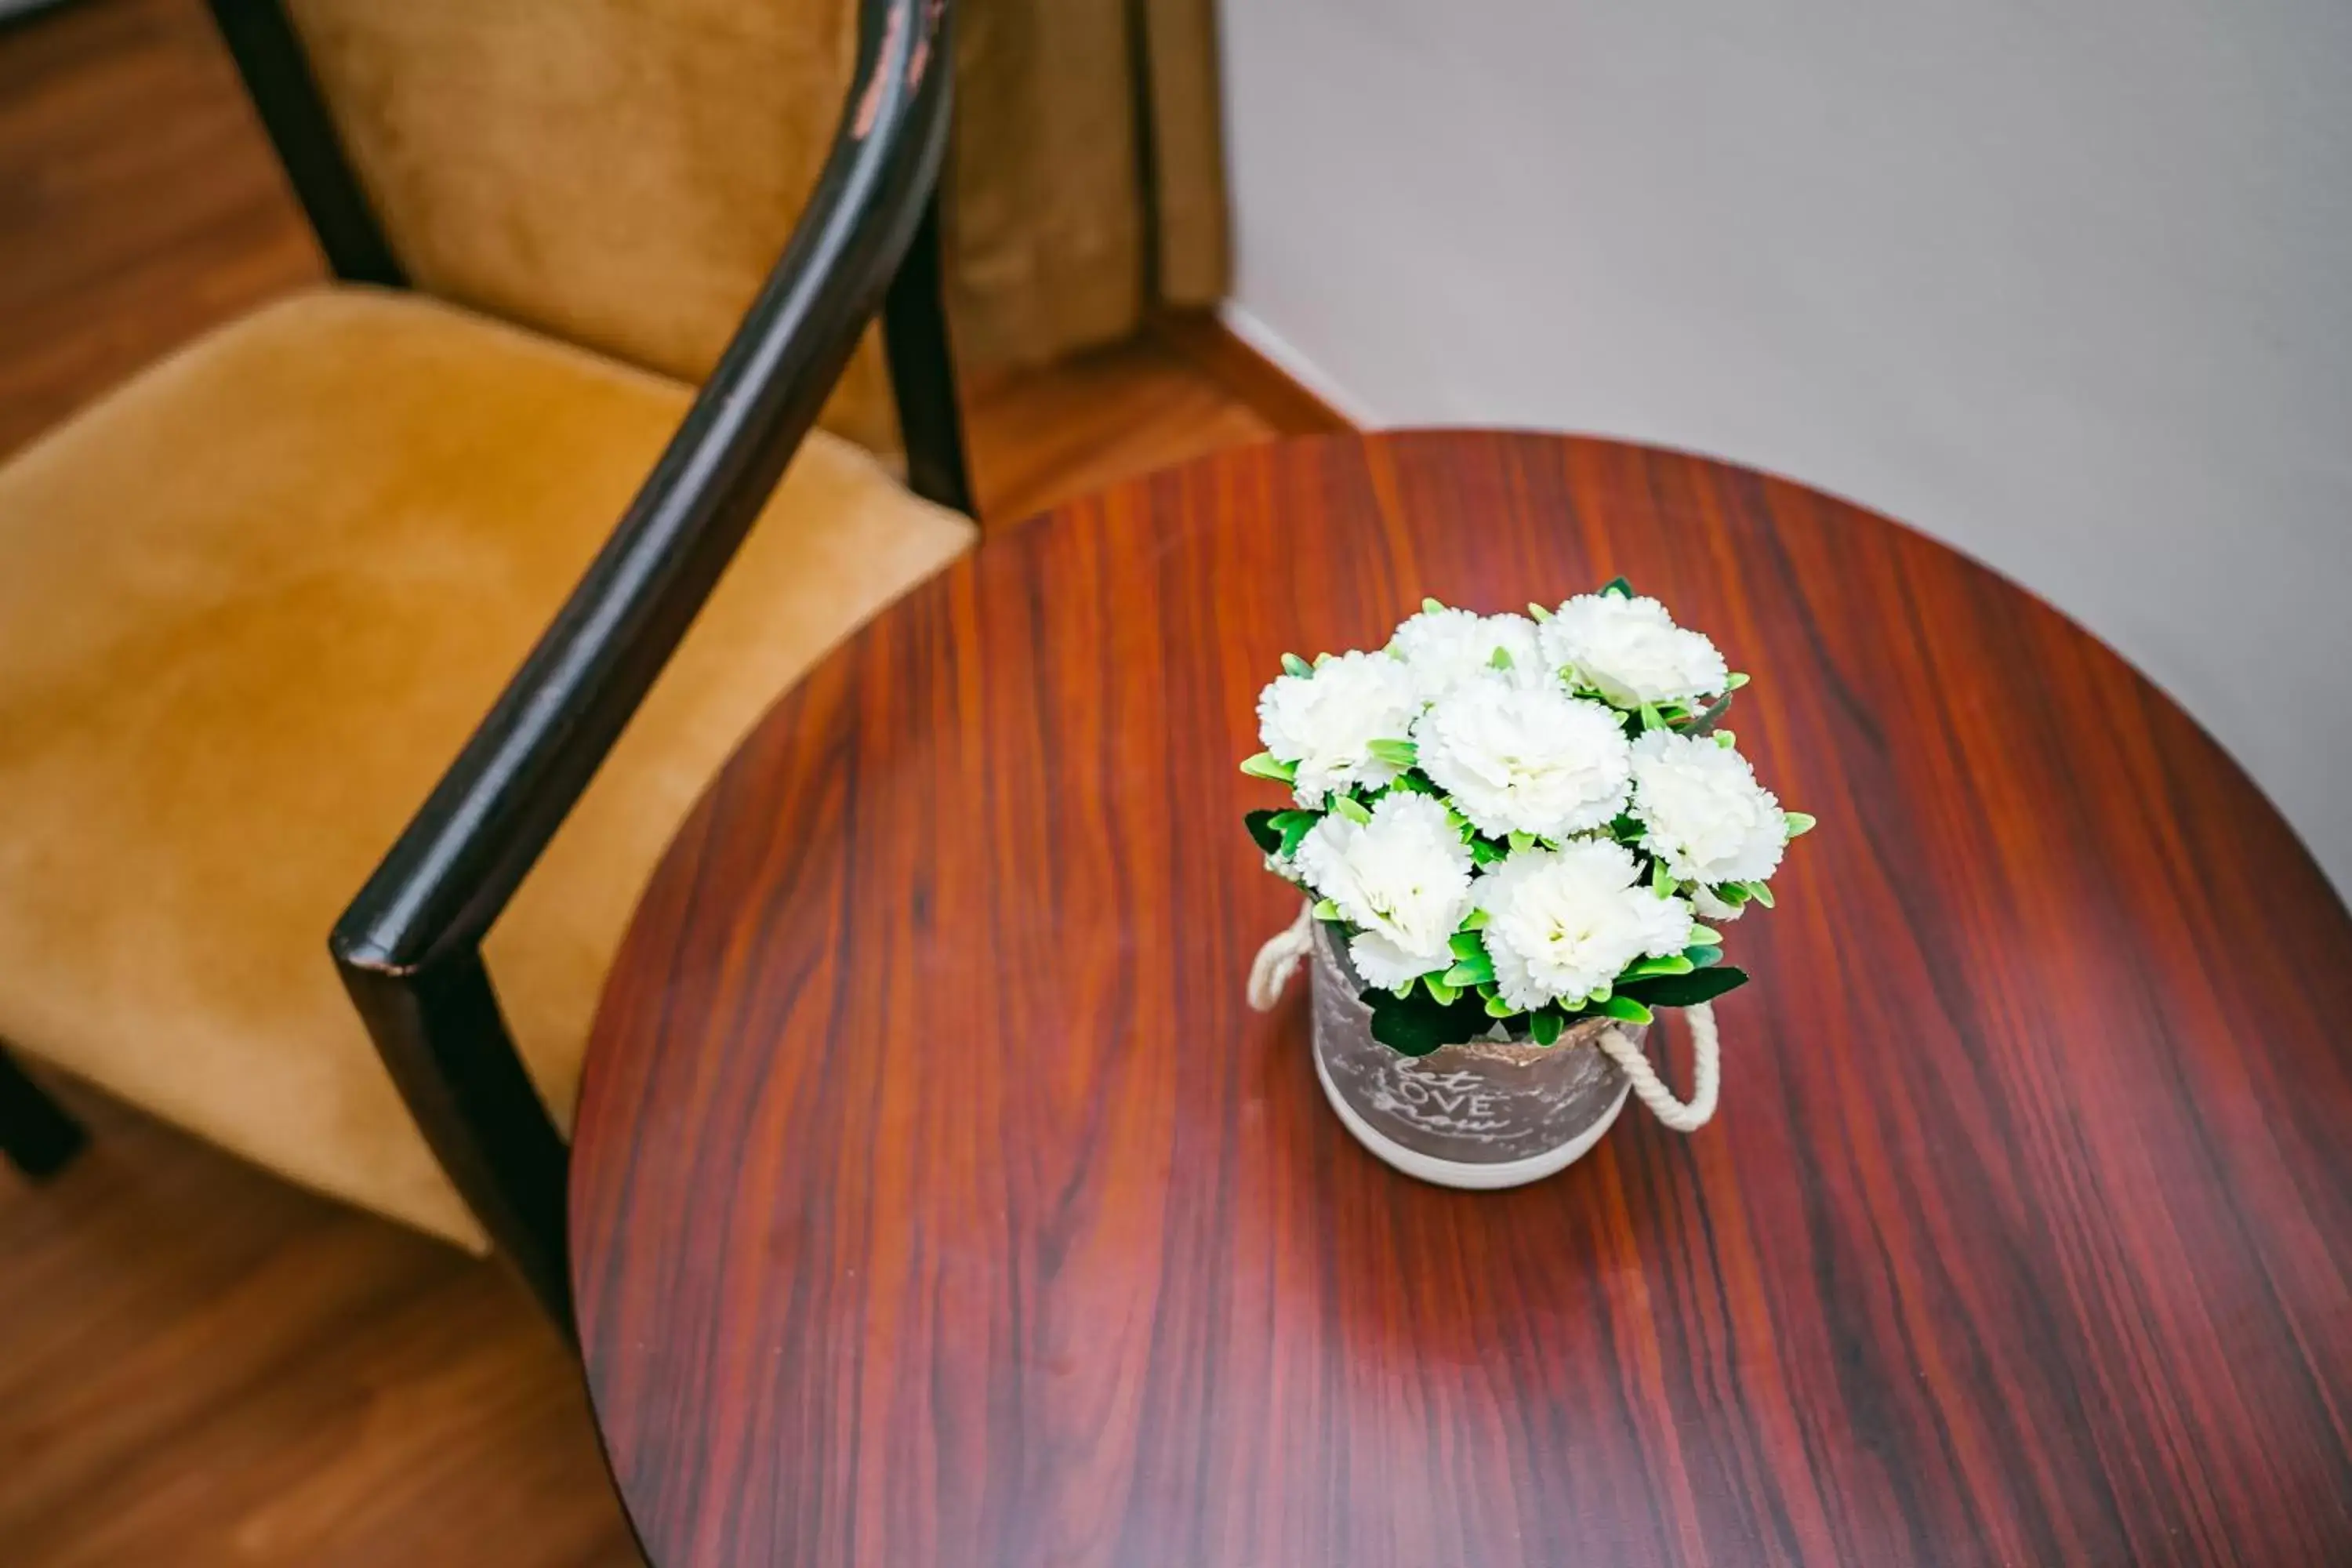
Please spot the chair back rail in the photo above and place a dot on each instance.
(277, 78)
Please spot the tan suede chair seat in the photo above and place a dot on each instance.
(251, 606)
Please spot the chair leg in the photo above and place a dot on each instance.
(35, 1132)
(439, 1031)
(922, 370)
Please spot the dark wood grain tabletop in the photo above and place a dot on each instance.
(937, 1198)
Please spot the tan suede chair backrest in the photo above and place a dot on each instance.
(619, 173)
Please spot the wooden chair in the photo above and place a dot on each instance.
(251, 604)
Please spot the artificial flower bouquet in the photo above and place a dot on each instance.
(1520, 821)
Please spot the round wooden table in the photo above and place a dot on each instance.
(937, 1200)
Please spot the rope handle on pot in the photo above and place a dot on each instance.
(1279, 959)
(1706, 1074)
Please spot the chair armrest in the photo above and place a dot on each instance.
(456, 863)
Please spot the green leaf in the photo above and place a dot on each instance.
(1415, 1025)
(1262, 830)
(1396, 754)
(1430, 605)
(1688, 990)
(1703, 954)
(1294, 665)
(1293, 827)
(1626, 1007)
(1706, 722)
(1675, 964)
(1502, 659)
(1726, 739)
(1546, 1027)
(1700, 934)
(1661, 881)
(1799, 823)
(1538, 612)
(1521, 842)
(1477, 920)
(1402, 1034)
(1651, 718)
(1354, 810)
(1264, 765)
(1440, 992)
(1760, 893)
(1498, 1008)
(1478, 970)
(1627, 829)
(1466, 945)
(1413, 784)
(1619, 586)
(1325, 909)
(1736, 682)
(1485, 851)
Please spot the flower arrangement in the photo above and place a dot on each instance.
(1520, 820)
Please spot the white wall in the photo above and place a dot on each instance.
(2068, 285)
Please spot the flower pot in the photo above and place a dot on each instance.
(1484, 1114)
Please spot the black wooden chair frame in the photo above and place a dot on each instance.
(409, 948)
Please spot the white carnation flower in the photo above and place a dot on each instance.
(1519, 759)
(1326, 723)
(1445, 648)
(1704, 813)
(1630, 651)
(1403, 879)
(1561, 923)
